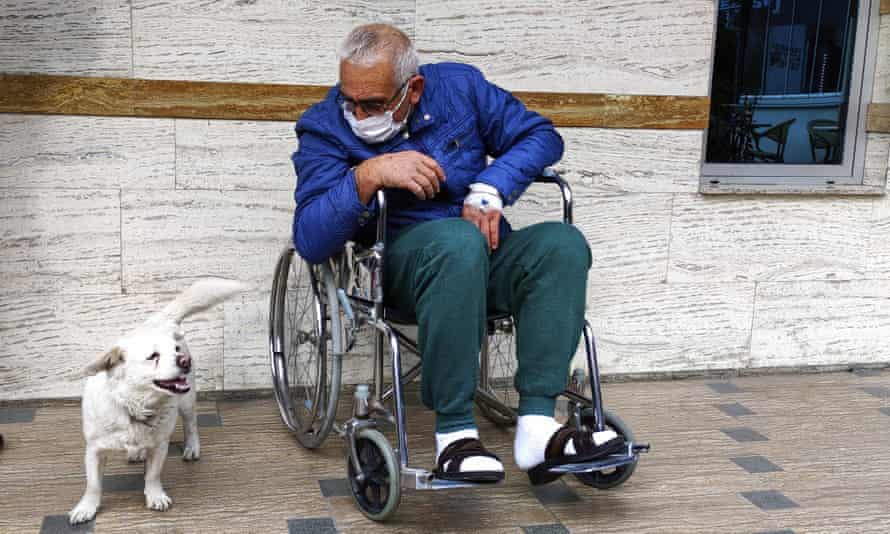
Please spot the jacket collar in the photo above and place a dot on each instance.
(426, 114)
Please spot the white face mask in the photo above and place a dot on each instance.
(377, 128)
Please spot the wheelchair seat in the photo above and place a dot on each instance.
(403, 318)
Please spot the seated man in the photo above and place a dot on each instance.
(424, 134)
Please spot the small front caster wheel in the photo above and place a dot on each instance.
(376, 489)
(613, 477)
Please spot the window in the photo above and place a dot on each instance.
(789, 90)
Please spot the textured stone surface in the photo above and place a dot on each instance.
(276, 42)
(639, 161)
(820, 323)
(171, 238)
(59, 241)
(246, 354)
(235, 155)
(670, 327)
(62, 37)
(73, 152)
(612, 47)
(768, 238)
(49, 339)
(877, 159)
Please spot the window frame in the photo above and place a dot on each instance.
(851, 171)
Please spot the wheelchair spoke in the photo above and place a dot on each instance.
(305, 348)
(375, 494)
(502, 366)
(305, 339)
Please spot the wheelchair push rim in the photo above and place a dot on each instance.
(305, 345)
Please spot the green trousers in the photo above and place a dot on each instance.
(443, 273)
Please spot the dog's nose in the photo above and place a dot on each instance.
(184, 362)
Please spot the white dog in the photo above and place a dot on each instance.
(131, 399)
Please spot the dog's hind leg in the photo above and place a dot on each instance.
(192, 447)
(94, 461)
(155, 497)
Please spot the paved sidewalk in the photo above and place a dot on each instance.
(785, 453)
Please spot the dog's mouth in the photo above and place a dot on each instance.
(175, 385)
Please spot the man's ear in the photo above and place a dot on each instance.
(416, 90)
(106, 362)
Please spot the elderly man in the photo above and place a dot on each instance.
(423, 134)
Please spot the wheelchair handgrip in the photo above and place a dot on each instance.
(550, 176)
(381, 216)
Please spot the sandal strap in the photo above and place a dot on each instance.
(556, 446)
(458, 451)
(583, 441)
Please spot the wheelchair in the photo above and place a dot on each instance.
(316, 315)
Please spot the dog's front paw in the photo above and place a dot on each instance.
(136, 456)
(83, 512)
(191, 452)
(159, 501)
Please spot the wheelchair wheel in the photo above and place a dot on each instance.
(502, 402)
(305, 340)
(613, 477)
(378, 492)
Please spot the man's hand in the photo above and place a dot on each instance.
(409, 170)
(488, 223)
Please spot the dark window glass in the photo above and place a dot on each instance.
(781, 79)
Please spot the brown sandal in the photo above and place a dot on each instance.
(459, 451)
(585, 451)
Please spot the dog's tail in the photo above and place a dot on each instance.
(201, 295)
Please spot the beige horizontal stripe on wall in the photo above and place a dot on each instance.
(76, 95)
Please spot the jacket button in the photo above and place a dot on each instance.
(426, 117)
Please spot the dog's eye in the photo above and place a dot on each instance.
(154, 356)
(177, 348)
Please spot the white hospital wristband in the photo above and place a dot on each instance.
(484, 197)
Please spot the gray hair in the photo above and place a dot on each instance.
(367, 45)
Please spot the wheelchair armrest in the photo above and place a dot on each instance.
(381, 216)
(550, 176)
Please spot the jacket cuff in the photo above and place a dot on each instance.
(352, 211)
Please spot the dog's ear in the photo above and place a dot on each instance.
(106, 362)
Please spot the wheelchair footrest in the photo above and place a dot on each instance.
(628, 456)
(424, 480)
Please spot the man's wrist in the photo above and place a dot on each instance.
(484, 197)
(366, 183)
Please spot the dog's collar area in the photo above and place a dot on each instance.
(147, 421)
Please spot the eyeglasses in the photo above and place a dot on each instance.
(369, 107)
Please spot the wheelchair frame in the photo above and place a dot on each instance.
(366, 308)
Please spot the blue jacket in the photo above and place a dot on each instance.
(461, 118)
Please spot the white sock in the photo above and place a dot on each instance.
(533, 432)
(473, 463)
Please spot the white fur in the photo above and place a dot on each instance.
(123, 408)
